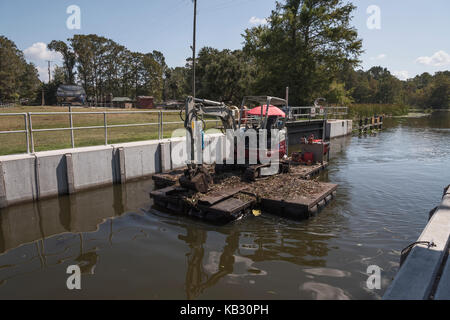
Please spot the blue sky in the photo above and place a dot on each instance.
(413, 38)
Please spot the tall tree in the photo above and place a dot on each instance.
(439, 95)
(178, 83)
(223, 75)
(30, 83)
(160, 77)
(58, 78)
(83, 50)
(304, 45)
(68, 58)
(18, 79)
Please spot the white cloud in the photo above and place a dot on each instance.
(257, 21)
(379, 57)
(439, 59)
(402, 75)
(43, 73)
(39, 51)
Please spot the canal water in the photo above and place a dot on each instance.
(388, 183)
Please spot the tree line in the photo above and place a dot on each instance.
(19, 80)
(379, 86)
(307, 45)
(104, 67)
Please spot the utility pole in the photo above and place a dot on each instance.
(49, 71)
(193, 48)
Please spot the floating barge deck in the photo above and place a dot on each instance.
(171, 178)
(289, 195)
(212, 207)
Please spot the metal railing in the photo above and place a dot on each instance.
(105, 125)
(25, 130)
(316, 113)
(30, 131)
(7, 105)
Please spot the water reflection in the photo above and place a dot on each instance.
(323, 291)
(197, 279)
(248, 243)
(75, 214)
(87, 260)
(52, 232)
(77, 229)
(290, 244)
(328, 272)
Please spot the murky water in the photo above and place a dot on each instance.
(126, 250)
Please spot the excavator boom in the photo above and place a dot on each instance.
(196, 177)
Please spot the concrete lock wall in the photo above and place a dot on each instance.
(17, 179)
(53, 166)
(30, 177)
(138, 159)
(339, 128)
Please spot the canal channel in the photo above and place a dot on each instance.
(388, 182)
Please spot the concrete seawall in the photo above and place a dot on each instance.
(339, 128)
(30, 177)
(333, 129)
(425, 273)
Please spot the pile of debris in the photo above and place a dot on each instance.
(286, 187)
(228, 195)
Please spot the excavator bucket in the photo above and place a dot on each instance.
(197, 179)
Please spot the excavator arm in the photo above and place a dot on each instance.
(197, 108)
(196, 177)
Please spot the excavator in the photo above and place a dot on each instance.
(196, 177)
(270, 116)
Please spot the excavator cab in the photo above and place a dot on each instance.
(264, 113)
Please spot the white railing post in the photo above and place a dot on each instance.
(162, 125)
(106, 128)
(71, 128)
(31, 132)
(159, 125)
(27, 133)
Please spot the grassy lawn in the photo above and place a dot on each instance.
(43, 141)
(54, 140)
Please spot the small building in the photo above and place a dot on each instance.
(70, 95)
(144, 102)
(122, 102)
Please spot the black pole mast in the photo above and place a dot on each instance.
(193, 49)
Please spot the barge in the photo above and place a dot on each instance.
(225, 192)
(292, 195)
